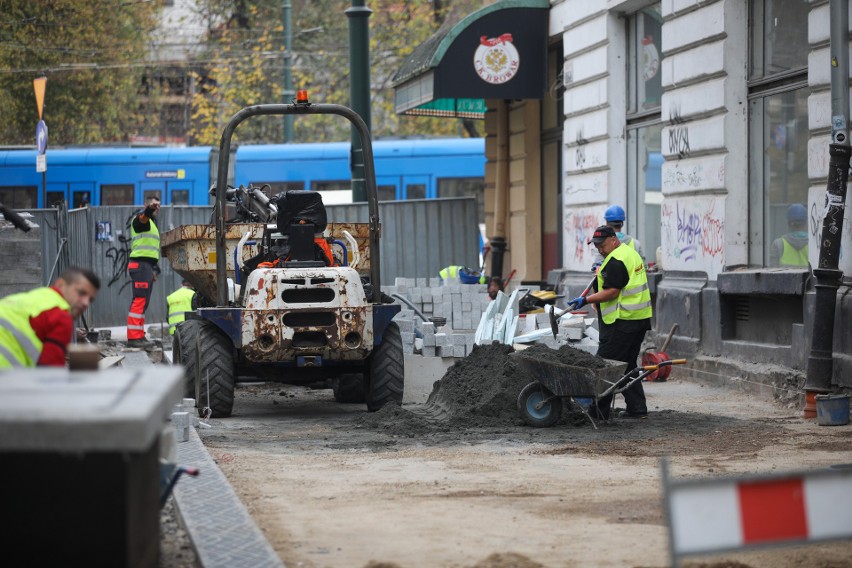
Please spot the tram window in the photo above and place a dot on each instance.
(336, 185)
(276, 187)
(117, 194)
(464, 187)
(415, 191)
(152, 193)
(55, 197)
(386, 192)
(180, 197)
(81, 199)
(19, 197)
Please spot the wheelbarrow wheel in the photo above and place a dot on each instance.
(532, 408)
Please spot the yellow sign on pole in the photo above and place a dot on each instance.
(39, 86)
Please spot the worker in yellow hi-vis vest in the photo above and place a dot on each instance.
(624, 312)
(180, 302)
(791, 249)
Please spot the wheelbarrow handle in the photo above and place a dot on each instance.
(664, 364)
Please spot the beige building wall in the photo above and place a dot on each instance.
(523, 207)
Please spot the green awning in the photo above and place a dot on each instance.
(499, 52)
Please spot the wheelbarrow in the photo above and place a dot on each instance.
(540, 402)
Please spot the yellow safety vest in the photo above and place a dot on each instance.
(634, 300)
(19, 344)
(450, 272)
(453, 272)
(180, 302)
(145, 244)
(793, 256)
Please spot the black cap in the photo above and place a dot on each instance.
(602, 233)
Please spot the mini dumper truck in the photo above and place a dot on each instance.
(284, 295)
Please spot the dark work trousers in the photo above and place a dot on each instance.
(142, 277)
(623, 343)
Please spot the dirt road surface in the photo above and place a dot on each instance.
(333, 486)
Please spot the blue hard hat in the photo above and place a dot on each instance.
(614, 213)
(797, 213)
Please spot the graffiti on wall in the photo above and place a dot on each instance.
(579, 225)
(693, 234)
(678, 134)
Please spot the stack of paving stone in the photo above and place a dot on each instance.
(461, 304)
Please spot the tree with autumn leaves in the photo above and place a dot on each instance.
(90, 53)
(101, 84)
(246, 68)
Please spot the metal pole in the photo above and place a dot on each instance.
(501, 192)
(828, 276)
(288, 93)
(359, 87)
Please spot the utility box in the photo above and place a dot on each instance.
(79, 464)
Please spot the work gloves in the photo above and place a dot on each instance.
(577, 302)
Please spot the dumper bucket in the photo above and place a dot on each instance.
(191, 250)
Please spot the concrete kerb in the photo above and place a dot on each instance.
(219, 525)
(222, 532)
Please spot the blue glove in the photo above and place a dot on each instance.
(578, 302)
(595, 266)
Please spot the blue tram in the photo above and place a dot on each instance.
(405, 169)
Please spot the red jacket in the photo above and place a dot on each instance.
(55, 329)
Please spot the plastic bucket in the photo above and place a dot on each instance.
(832, 409)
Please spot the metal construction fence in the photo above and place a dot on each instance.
(419, 237)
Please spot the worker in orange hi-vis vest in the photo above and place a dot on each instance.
(143, 268)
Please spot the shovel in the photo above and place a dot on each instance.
(554, 319)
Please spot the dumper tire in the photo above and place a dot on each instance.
(350, 388)
(544, 417)
(387, 370)
(207, 354)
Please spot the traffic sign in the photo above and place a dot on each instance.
(39, 85)
(41, 163)
(41, 136)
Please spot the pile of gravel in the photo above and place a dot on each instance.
(480, 390)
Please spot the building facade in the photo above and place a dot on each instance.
(709, 121)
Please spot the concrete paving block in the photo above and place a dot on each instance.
(422, 282)
(458, 339)
(441, 340)
(466, 306)
(407, 338)
(429, 340)
(405, 325)
(428, 328)
(428, 351)
(434, 282)
(459, 351)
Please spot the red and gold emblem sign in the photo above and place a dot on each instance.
(496, 59)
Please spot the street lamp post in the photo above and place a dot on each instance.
(359, 87)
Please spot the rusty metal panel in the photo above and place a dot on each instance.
(191, 252)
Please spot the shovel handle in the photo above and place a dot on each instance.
(668, 338)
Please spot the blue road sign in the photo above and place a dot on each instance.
(41, 136)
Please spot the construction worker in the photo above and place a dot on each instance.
(791, 249)
(180, 302)
(614, 217)
(461, 274)
(624, 312)
(143, 267)
(37, 326)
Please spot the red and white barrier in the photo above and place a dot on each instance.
(725, 514)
